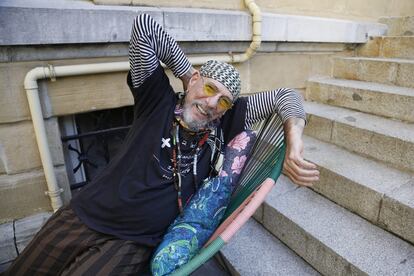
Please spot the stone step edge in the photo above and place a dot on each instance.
(395, 36)
(299, 237)
(379, 122)
(368, 200)
(275, 257)
(363, 85)
(21, 231)
(386, 101)
(381, 59)
(363, 134)
(403, 25)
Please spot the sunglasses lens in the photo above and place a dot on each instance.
(225, 103)
(209, 90)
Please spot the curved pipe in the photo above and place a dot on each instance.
(30, 84)
(256, 32)
(32, 91)
(256, 38)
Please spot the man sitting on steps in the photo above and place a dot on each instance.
(114, 223)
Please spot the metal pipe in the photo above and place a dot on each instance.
(253, 47)
(32, 91)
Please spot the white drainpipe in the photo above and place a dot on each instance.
(32, 91)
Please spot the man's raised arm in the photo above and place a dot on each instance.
(150, 44)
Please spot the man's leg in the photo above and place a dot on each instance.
(111, 257)
(54, 246)
(66, 246)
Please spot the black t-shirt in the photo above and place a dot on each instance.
(134, 198)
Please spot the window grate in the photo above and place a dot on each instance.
(91, 140)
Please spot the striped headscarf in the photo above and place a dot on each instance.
(223, 73)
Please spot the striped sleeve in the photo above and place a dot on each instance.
(284, 101)
(150, 44)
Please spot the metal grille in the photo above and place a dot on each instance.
(90, 141)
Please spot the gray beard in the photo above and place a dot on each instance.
(192, 124)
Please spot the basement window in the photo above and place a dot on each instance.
(91, 140)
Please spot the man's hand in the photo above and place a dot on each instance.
(300, 171)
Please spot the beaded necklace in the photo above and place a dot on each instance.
(176, 158)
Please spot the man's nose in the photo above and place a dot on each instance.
(212, 101)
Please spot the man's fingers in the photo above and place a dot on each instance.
(304, 179)
(302, 167)
(298, 159)
(300, 175)
(300, 171)
(296, 181)
(305, 164)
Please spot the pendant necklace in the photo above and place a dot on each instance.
(177, 158)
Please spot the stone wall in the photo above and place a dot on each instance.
(369, 10)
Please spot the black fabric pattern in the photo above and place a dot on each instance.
(138, 184)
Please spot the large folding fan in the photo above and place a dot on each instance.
(259, 175)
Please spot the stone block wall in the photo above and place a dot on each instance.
(347, 9)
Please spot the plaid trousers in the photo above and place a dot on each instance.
(66, 246)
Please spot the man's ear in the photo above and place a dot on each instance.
(194, 78)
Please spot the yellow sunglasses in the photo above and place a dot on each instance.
(223, 103)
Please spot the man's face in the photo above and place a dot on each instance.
(206, 101)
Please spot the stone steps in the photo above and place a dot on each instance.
(371, 136)
(359, 218)
(374, 98)
(399, 25)
(330, 238)
(8, 250)
(16, 235)
(388, 47)
(254, 251)
(382, 70)
(382, 195)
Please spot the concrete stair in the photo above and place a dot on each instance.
(16, 235)
(369, 97)
(382, 139)
(330, 238)
(359, 218)
(388, 47)
(382, 195)
(254, 251)
(391, 71)
(399, 26)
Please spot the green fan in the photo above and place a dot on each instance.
(259, 175)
